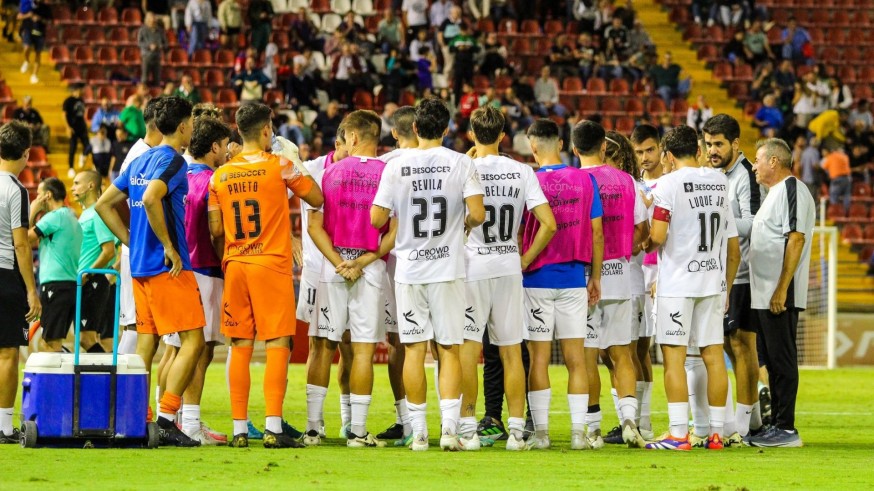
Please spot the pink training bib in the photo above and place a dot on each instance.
(349, 187)
(569, 192)
(617, 191)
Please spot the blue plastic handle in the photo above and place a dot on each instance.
(79, 312)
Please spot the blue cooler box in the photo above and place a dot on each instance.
(49, 397)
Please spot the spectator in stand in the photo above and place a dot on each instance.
(756, 44)
(546, 95)
(421, 41)
(495, 59)
(305, 32)
(160, 9)
(289, 129)
(467, 104)
(425, 67)
(101, 151)
(517, 114)
(730, 13)
(10, 18)
(152, 40)
(120, 148)
(446, 33)
(387, 124)
(169, 89)
(346, 68)
(638, 40)
(327, 122)
(806, 167)
(230, 19)
(300, 88)
(769, 118)
(187, 90)
(416, 15)
(464, 49)
(260, 24)
(198, 15)
(28, 115)
(350, 28)
(666, 79)
(131, 118)
(33, 15)
(588, 15)
(828, 127)
(74, 112)
(806, 101)
(734, 50)
(862, 113)
(439, 12)
(561, 57)
(785, 79)
(861, 144)
(836, 163)
(585, 55)
(840, 96)
(617, 38)
(764, 81)
(699, 113)
(250, 83)
(390, 32)
(106, 115)
(797, 43)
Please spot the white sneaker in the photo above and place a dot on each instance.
(734, 440)
(204, 438)
(367, 440)
(539, 442)
(631, 436)
(579, 441)
(451, 443)
(471, 444)
(420, 443)
(346, 430)
(647, 435)
(34, 79)
(24, 67)
(322, 433)
(71, 173)
(312, 438)
(517, 445)
(595, 440)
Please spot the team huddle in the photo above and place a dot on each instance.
(435, 250)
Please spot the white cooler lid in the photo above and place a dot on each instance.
(62, 363)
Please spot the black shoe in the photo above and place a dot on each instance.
(393, 432)
(280, 440)
(291, 430)
(171, 436)
(240, 441)
(491, 428)
(614, 437)
(13, 439)
(529, 429)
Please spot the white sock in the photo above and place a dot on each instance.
(645, 422)
(190, 417)
(467, 426)
(167, 416)
(6, 420)
(696, 380)
(404, 416)
(578, 404)
(717, 420)
(615, 394)
(678, 416)
(315, 406)
(345, 409)
(127, 345)
(274, 424)
(417, 418)
(639, 388)
(730, 425)
(241, 426)
(538, 403)
(593, 420)
(517, 427)
(742, 418)
(157, 396)
(756, 417)
(360, 404)
(450, 413)
(627, 409)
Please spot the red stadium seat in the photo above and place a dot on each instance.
(521, 46)
(851, 232)
(868, 231)
(195, 77)
(83, 55)
(73, 36)
(130, 56)
(27, 179)
(572, 85)
(226, 97)
(202, 57)
(588, 105)
(215, 78)
(619, 86)
(858, 210)
(531, 26)
(723, 71)
(679, 107)
(85, 16)
(708, 53)
(861, 189)
(71, 73)
(554, 27)
(60, 54)
(95, 36)
(656, 106)
(107, 16)
(96, 75)
(109, 92)
(508, 27)
(610, 106)
(119, 36)
(634, 107)
(835, 211)
(37, 157)
(224, 58)
(847, 74)
(596, 86)
(624, 125)
(176, 57)
(276, 96)
(486, 25)
(131, 16)
(107, 56)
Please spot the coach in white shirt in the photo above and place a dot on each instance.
(779, 265)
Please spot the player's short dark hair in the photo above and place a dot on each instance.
(149, 110)
(432, 118)
(402, 121)
(544, 129)
(643, 133)
(588, 136)
(365, 123)
(207, 130)
(56, 187)
(15, 139)
(207, 109)
(170, 112)
(487, 123)
(722, 124)
(682, 142)
(251, 117)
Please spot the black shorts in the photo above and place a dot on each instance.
(58, 300)
(13, 309)
(740, 312)
(231, 31)
(38, 42)
(95, 297)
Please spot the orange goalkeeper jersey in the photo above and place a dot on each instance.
(250, 191)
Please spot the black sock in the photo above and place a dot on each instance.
(594, 409)
(96, 348)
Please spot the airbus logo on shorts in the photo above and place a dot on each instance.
(675, 318)
(591, 333)
(390, 319)
(429, 254)
(413, 331)
(408, 316)
(325, 313)
(470, 325)
(229, 319)
(536, 314)
(704, 266)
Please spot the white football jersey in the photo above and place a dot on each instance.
(492, 249)
(396, 154)
(312, 256)
(426, 191)
(701, 221)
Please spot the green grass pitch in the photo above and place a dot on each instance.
(835, 418)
